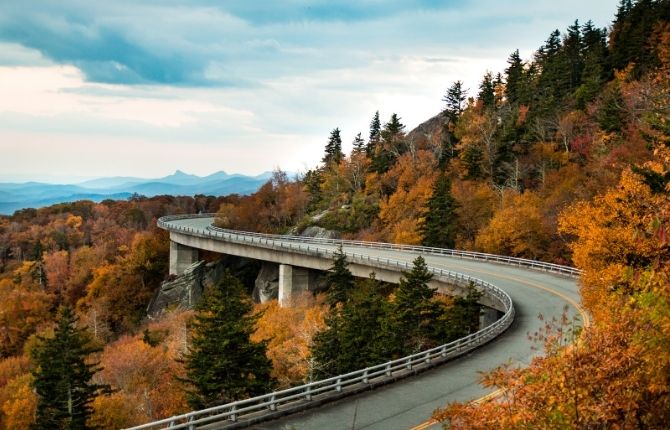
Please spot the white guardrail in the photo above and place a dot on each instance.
(257, 408)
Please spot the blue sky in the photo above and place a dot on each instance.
(144, 88)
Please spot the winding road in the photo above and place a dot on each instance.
(409, 403)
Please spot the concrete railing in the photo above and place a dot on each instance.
(471, 255)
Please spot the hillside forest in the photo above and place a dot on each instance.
(562, 157)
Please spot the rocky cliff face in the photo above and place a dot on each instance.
(428, 134)
(186, 290)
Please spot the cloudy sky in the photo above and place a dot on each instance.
(143, 88)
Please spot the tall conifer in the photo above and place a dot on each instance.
(62, 376)
(439, 225)
(223, 364)
(340, 280)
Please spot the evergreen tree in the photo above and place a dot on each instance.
(340, 280)
(375, 135)
(460, 319)
(465, 313)
(358, 144)
(413, 312)
(596, 68)
(487, 91)
(62, 376)
(454, 101)
(313, 180)
(392, 145)
(472, 158)
(572, 52)
(454, 104)
(356, 334)
(629, 41)
(364, 333)
(612, 114)
(326, 348)
(439, 226)
(334, 152)
(222, 364)
(394, 129)
(514, 75)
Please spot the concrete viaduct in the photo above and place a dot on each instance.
(533, 287)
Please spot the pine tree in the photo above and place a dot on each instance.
(454, 100)
(340, 280)
(572, 52)
(413, 310)
(596, 67)
(514, 74)
(461, 318)
(334, 152)
(487, 91)
(392, 145)
(375, 135)
(313, 180)
(629, 41)
(612, 114)
(222, 364)
(439, 226)
(358, 144)
(326, 348)
(393, 129)
(62, 376)
(356, 334)
(472, 161)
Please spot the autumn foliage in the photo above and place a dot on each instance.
(615, 373)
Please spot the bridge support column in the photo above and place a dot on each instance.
(488, 316)
(292, 282)
(181, 257)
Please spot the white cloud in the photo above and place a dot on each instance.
(267, 92)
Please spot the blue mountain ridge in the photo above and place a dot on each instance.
(16, 196)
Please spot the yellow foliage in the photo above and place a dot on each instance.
(18, 407)
(518, 229)
(289, 332)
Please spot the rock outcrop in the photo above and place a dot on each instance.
(186, 290)
(319, 232)
(266, 286)
(428, 134)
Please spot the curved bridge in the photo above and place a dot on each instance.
(520, 289)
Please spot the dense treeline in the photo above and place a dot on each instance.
(369, 323)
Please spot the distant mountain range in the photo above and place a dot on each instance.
(15, 196)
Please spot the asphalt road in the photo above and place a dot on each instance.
(410, 402)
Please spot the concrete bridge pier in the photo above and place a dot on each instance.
(293, 281)
(488, 316)
(181, 256)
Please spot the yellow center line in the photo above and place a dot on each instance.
(585, 318)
